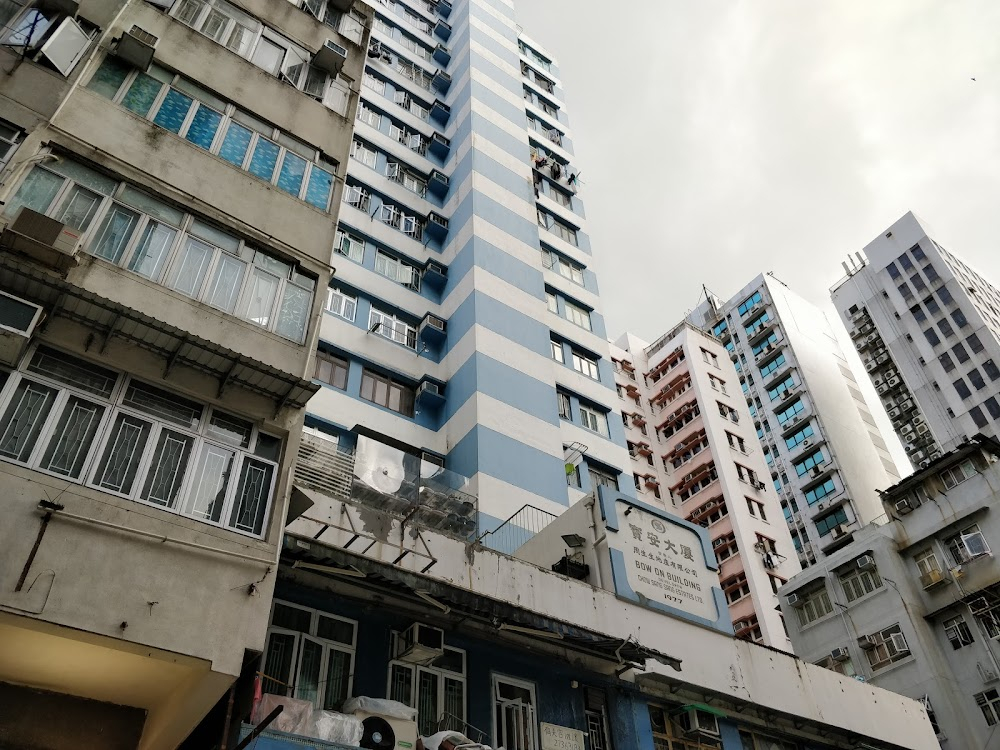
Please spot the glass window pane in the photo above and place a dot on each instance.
(162, 405)
(109, 77)
(36, 192)
(151, 251)
(401, 684)
(141, 94)
(166, 473)
(85, 176)
(278, 662)
(260, 298)
(25, 416)
(72, 371)
(332, 629)
(78, 208)
(338, 674)
(265, 156)
(115, 233)
(310, 664)
(192, 265)
(268, 56)
(229, 429)
(427, 696)
(224, 291)
(320, 188)
(293, 314)
(211, 480)
(268, 446)
(234, 146)
(291, 618)
(203, 127)
(217, 237)
(252, 496)
(151, 206)
(70, 443)
(120, 463)
(293, 170)
(173, 111)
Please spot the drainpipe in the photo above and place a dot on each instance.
(598, 540)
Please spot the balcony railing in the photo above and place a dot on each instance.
(516, 530)
(384, 478)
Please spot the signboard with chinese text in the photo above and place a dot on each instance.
(663, 562)
(555, 737)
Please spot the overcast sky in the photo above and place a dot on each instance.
(722, 138)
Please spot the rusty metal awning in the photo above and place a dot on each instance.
(108, 319)
(499, 614)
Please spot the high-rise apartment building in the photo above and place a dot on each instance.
(464, 325)
(927, 327)
(694, 451)
(823, 450)
(171, 176)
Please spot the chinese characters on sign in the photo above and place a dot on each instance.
(555, 737)
(665, 562)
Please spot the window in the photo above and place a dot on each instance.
(557, 352)
(957, 631)
(387, 392)
(927, 562)
(364, 154)
(772, 365)
(367, 115)
(818, 492)
(557, 227)
(826, 524)
(756, 508)
(350, 245)
(398, 219)
(957, 474)
(375, 84)
(989, 704)
(725, 547)
(594, 420)
(976, 378)
(515, 723)
(709, 358)
(858, 582)
(601, 478)
(757, 324)
(735, 587)
(771, 340)
(586, 366)
(437, 689)
(331, 370)
(577, 315)
(91, 425)
(398, 270)
(946, 362)
(10, 139)
(137, 232)
(309, 655)
(566, 268)
(778, 390)
(204, 120)
(886, 647)
(341, 304)
(967, 545)
(749, 304)
(391, 327)
(563, 402)
(813, 461)
(960, 354)
(960, 320)
(974, 343)
(709, 513)
(932, 338)
(817, 604)
(798, 437)
(669, 732)
(790, 411)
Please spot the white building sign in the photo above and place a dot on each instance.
(665, 562)
(555, 737)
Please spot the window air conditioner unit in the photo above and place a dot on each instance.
(695, 721)
(435, 322)
(45, 240)
(932, 578)
(136, 48)
(437, 268)
(330, 57)
(794, 600)
(867, 642)
(866, 562)
(429, 388)
(903, 507)
(419, 644)
(840, 654)
(18, 320)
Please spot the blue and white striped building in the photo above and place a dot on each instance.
(464, 324)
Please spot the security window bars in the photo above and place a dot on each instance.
(387, 392)
(436, 689)
(204, 120)
(309, 655)
(857, 583)
(989, 704)
(391, 327)
(91, 425)
(139, 233)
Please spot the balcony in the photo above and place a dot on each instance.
(383, 478)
